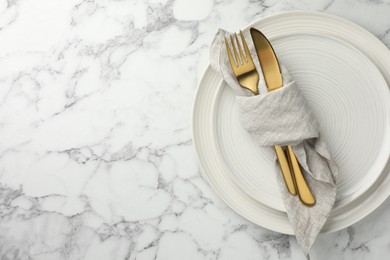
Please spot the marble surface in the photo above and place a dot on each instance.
(96, 156)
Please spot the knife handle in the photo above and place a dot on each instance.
(304, 192)
(285, 167)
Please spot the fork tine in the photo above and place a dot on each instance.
(230, 55)
(242, 58)
(235, 50)
(247, 53)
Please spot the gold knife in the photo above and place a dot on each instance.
(273, 79)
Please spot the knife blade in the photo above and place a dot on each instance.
(273, 78)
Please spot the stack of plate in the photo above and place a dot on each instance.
(343, 71)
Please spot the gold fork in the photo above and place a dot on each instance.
(245, 71)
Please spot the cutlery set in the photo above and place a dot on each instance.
(248, 77)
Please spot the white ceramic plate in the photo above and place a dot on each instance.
(333, 76)
(343, 71)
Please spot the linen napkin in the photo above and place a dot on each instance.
(282, 117)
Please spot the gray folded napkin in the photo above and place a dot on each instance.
(281, 117)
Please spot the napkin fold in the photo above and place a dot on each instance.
(282, 117)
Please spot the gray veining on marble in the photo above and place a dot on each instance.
(96, 156)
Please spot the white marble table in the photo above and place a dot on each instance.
(96, 156)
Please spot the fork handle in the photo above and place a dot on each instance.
(304, 192)
(285, 167)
